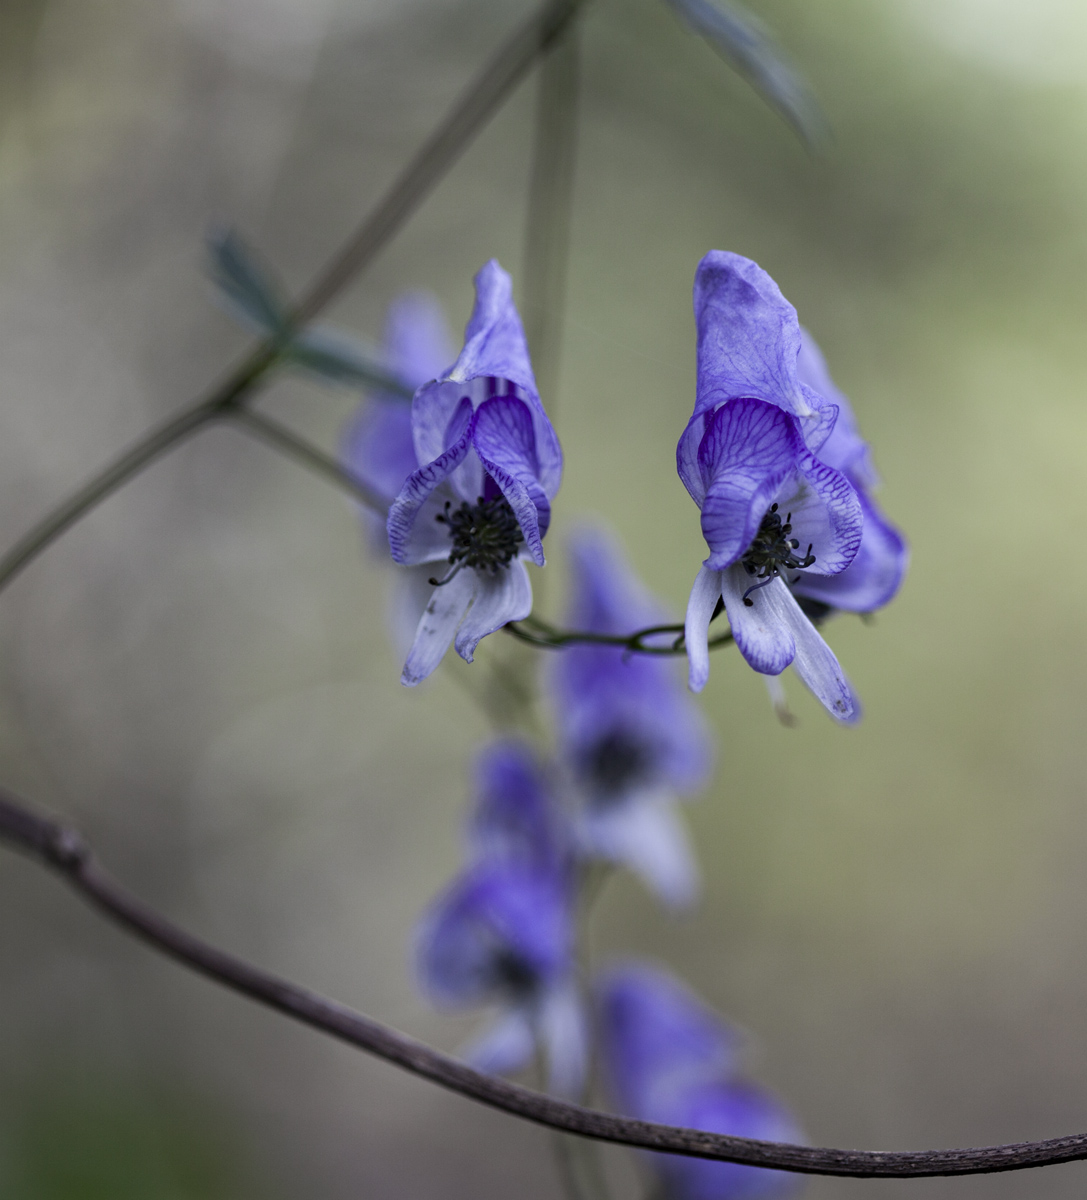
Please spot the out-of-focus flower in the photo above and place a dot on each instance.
(480, 498)
(771, 510)
(671, 1059)
(631, 739)
(502, 933)
(377, 444)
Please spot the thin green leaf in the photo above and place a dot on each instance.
(248, 289)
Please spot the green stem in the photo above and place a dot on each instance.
(285, 440)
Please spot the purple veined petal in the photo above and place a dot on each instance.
(418, 347)
(656, 1036)
(499, 598)
(703, 600)
(822, 422)
(749, 449)
(405, 510)
(563, 1030)
(687, 456)
(815, 662)
(516, 815)
(426, 539)
(505, 441)
(762, 635)
(737, 1108)
(494, 339)
(438, 411)
(748, 336)
(874, 575)
(645, 833)
(825, 512)
(438, 624)
(506, 1045)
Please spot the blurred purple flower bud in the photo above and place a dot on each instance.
(669, 1058)
(632, 740)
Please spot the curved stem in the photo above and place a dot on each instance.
(550, 638)
(277, 435)
(62, 849)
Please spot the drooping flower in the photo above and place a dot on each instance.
(489, 464)
(771, 509)
(671, 1059)
(632, 740)
(502, 933)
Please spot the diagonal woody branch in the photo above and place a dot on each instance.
(57, 846)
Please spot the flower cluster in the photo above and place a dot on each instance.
(783, 480)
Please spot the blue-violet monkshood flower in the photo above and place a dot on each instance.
(631, 738)
(771, 509)
(669, 1058)
(489, 464)
(502, 934)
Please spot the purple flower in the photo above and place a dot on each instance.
(488, 465)
(771, 510)
(632, 740)
(502, 933)
(671, 1059)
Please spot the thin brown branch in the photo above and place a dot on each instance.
(57, 846)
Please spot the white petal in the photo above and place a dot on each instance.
(762, 634)
(565, 1037)
(439, 622)
(505, 1046)
(646, 833)
(696, 630)
(505, 596)
(817, 666)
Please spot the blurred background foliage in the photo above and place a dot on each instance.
(200, 675)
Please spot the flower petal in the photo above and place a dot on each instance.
(494, 339)
(825, 512)
(505, 440)
(748, 336)
(762, 635)
(703, 600)
(499, 598)
(749, 449)
(687, 456)
(815, 662)
(439, 622)
(517, 816)
(844, 449)
(565, 1036)
(874, 575)
(404, 512)
(504, 1046)
(645, 833)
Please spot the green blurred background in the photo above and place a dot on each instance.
(199, 675)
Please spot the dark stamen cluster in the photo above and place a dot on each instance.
(772, 551)
(485, 535)
(615, 762)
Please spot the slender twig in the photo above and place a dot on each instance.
(63, 849)
(550, 638)
(277, 435)
(479, 103)
(550, 199)
(505, 70)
